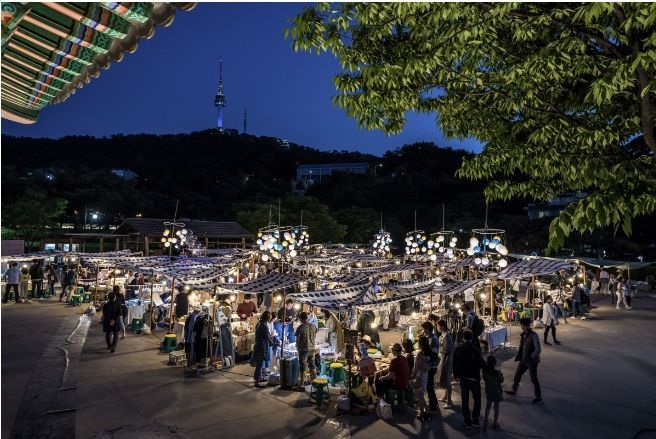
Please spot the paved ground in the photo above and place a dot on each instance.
(600, 383)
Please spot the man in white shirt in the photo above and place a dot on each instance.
(604, 280)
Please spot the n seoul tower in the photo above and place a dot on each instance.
(219, 100)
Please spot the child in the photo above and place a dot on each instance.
(493, 392)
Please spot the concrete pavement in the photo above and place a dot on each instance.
(601, 382)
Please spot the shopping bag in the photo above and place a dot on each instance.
(343, 403)
(383, 410)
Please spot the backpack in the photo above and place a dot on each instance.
(478, 326)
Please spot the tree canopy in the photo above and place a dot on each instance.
(562, 94)
(34, 215)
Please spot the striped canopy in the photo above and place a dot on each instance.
(50, 49)
(533, 267)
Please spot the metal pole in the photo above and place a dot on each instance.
(171, 306)
(152, 292)
(95, 291)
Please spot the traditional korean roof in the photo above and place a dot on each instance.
(50, 49)
(202, 229)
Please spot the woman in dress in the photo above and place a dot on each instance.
(446, 363)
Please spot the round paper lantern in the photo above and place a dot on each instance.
(440, 238)
(473, 242)
(502, 249)
(265, 258)
(503, 263)
(485, 261)
(477, 249)
(477, 261)
(470, 251)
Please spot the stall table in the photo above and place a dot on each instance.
(495, 336)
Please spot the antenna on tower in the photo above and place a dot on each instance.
(219, 99)
(245, 119)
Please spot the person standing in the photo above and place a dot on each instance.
(612, 288)
(111, 316)
(577, 293)
(419, 377)
(493, 391)
(620, 291)
(474, 324)
(409, 350)
(467, 364)
(262, 347)
(528, 355)
(559, 305)
(549, 320)
(305, 344)
(446, 363)
(36, 275)
(429, 332)
(51, 278)
(604, 280)
(24, 282)
(12, 279)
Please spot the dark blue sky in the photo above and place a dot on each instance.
(168, 86)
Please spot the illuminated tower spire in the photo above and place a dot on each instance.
(219, 100)
(245, 120)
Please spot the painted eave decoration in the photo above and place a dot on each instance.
(50, 49)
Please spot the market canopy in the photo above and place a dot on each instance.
(265, 284)
(533, 267)
(50, 49)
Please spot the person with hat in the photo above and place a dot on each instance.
(398, 374)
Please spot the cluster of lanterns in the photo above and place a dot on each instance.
(176, 240)
(277, 243)
(479, 247)
(382, 243)
(418, 243)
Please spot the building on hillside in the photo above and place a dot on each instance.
(307, 175)
(145, 234)
(125, 174)
(553, 207)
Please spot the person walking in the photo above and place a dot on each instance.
(528, 355)
(493, 378)
(549, 320)
(63, 279)
(71, 283)
(262, 347)
(429, 332)
(446, 363)
(419, 377)
(620, 291)
(36, 275)
(467, 364)
(111, 316)
(305, 344)
(120, 299)
(12, 279)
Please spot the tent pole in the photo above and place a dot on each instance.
(95, 291)
(152, 292)
(171, 306)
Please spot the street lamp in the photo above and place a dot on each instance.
(94, 215)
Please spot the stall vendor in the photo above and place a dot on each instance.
(335, 332)
(247, 308)
(398, 376)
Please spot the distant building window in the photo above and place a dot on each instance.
(50, 246)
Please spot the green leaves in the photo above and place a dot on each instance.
(555, 93)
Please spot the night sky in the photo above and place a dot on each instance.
(168, 86)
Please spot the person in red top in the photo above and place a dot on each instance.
(247, 308)
(398, 376)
